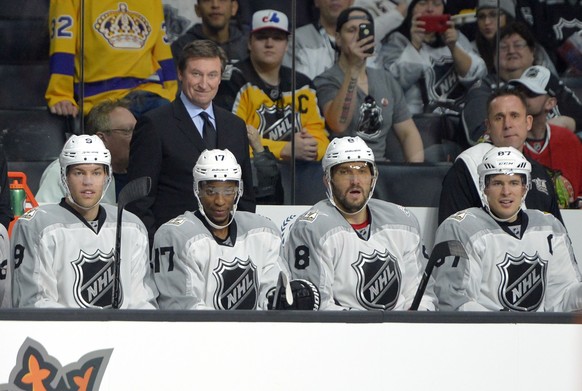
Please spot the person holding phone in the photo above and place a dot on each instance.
(361, 101)
(433, 62)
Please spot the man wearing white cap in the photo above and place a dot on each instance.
(553, 146)
(259, 91)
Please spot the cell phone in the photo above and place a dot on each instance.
(365, 30)
(435, 23)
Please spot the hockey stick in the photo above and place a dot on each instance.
(440, 251)
(134, 190)
(282, 285)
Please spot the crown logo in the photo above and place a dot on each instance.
(123, 29)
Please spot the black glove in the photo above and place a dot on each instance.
(304, 293)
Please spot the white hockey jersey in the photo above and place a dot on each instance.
(5, 294)
(61, 261)
(534, 270)
(195, 270)
(381, 272)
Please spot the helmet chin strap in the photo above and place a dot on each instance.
(213, 225)
(71, 200)
(499, 219)
(332, 199)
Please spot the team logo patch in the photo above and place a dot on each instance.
(309, 216)
(459, 216)
(237, 285)
(123, 29)
(275, 122)
(540, 185)
(177, 221)
(29, 215)
(94, 280)
(379, 280)
(523, 282)
(36, 370)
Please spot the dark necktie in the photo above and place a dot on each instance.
(208, 131)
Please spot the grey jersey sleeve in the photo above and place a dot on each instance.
(457, 281)
(307, 258)
(178, 277)
(34, 282)
(5, 270)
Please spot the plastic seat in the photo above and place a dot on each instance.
(24, 40)
(31, 140)
(23, 85)
(411, 184)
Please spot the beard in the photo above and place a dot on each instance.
(347, 205)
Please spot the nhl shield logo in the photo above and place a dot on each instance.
(523, 282)
(379, 280)
(237, 286)
(94, 280)
(275, 122)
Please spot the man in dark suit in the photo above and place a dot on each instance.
(167, 141)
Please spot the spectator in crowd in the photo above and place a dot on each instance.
(125, 53)
(388, 16)
(556, 26)
(489, 21)
(516, 259)
(359, 100)
(434, 68)
(554, 147)
(508, 124)
(219, 24)
(315, 47)
(216, 257)
(305, 11)
(516, 53)
(64, 254)
(361, 253)
(485, 40)
(113, 123)
(259, 92)
(6, 214)
(168, 140)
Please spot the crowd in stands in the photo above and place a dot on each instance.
(213, 110)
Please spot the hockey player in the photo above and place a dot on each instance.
(361, 253)
(212, 259)
(516, 259)
(63, 254)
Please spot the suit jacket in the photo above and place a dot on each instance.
(165, 146)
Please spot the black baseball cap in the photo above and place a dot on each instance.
(344, 16)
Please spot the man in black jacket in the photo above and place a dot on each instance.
(167, 141)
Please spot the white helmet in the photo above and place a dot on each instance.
(348, 149)
(217, 165)
(84, 149)
(506, 161)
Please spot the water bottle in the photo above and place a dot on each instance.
(17, 198)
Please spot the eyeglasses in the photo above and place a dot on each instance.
(520, 45)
